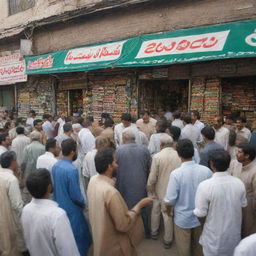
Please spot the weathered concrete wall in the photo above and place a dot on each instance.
(48, 8)
(42, 9)
(165, 16)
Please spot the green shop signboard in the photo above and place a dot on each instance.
(230, 40)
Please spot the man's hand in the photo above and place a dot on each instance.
(146, 201)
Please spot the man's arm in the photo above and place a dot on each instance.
(74, 189)
(172, 194)
(152, 179)
(201, 204)
(64, 238)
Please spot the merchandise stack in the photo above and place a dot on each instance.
(211, 100)
(62, 102)
(197, 94)
(239, 96)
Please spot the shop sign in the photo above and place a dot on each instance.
(230, 40)
(107, 52)
(12, 69)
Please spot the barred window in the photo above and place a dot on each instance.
(16, 6)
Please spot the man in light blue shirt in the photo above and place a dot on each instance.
(180, 195)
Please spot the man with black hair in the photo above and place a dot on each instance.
(218, 206)
(146, 124)
(190, 131)
(47, 126)
(208, 134)
(221, 132)
(116, 230)
(177, 120)
(244, 168)
(30, 120)
(11, 238)
(19, 144)
(195, 118)
(38, 127)
(67, 194)
(126, 121)
(67, 132)
(48, 159)
(46, 227)
(230, 122)
(241, 130)
(5, 143)
(180, 196)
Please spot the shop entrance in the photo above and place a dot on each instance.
(239, 96)
(75, 102)
(168, 95)
(7, 98)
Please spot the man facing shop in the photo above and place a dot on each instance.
(180, 195)
(46, 227)
(68, 195)
(116, 230)
(219, 202)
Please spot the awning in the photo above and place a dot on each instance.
(230, 40)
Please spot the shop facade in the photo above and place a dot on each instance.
(12, 74)
(186, 69)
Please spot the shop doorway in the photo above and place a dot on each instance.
(169, 95)
(75, 102)
(7, 98)
(239, 96)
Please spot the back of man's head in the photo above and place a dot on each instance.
(185, 149)
(187, 119)
(175, 132)
(68, 146)
(161, 126)
(128, 135)
(108, 122)
(103, 159)
(126, 117)
(219, 160)
(208, 132)
(101, 142)
(7, 158)
(38, 182)
(166, 140)
(20, 130)
(67, 127)
(50, 144)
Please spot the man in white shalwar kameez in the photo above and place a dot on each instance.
(19, 144)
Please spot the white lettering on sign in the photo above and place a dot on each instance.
(12, 70)
(251, 39)
(106, 52)
(184, 44)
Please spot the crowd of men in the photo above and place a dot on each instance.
(78, 186)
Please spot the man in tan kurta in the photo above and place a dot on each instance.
(163, 164)
(11, 239)
(116, 230)
(147, 124)
(245, 169)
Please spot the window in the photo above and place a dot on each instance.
(16, 6)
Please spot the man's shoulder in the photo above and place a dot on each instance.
(8, 176)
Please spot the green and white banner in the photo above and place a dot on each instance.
(230, 40)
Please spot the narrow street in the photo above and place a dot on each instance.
(155, 248)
